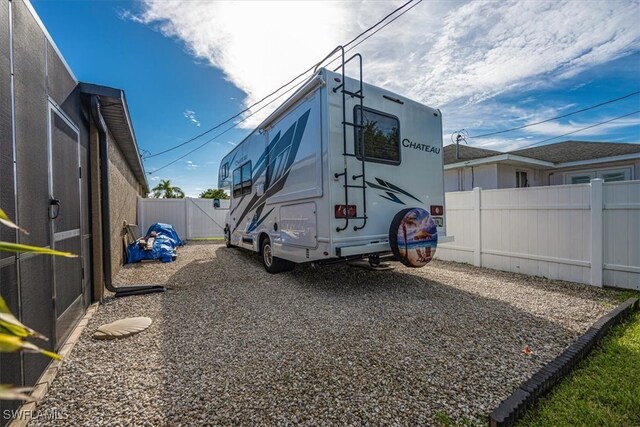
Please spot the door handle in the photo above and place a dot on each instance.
(54, 208)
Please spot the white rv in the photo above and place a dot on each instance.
(341, 171)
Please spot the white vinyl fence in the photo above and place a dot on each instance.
(191, 218)
(586, 233)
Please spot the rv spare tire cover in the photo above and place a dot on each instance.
(413, 237)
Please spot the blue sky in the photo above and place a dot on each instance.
(186, 66)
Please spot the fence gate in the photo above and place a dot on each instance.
(66, 220)
(192, 218)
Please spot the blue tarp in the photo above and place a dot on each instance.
(166, 230)
(164, 246)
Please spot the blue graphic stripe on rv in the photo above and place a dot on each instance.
(239, 203)
(390, 189)
(278, 156)
(262, 161)
(392, 197)
(256, 224)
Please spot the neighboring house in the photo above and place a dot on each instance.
(568, 162)
(70, 174)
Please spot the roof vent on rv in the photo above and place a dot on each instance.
(391, 98)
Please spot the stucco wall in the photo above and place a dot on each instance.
(556, 177)
(464, 179)
(123, 192)
(451, 180)
(507, 176)
(494, 176)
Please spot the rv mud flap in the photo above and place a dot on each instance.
(369, 248)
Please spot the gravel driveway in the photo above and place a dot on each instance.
(231, 344)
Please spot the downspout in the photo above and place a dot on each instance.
(103, 141)
(473, 179)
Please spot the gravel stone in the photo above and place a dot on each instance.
(232, 344)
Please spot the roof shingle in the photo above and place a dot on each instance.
(560, 152)
(466, 153)
(572, 151)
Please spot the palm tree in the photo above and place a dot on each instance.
(167, 191)
(411, 221)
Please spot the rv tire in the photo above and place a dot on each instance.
(273, 264)
(227, 238)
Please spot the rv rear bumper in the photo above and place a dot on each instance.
(367, 248)
(373, 248)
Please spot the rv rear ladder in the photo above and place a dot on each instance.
(359, 94)
(352, 94)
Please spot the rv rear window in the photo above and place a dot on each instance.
(242, 180)
(381, 136)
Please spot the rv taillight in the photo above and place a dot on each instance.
(437, 210)
(345, 211)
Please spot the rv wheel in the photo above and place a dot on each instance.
(272, 264)
(227, 238)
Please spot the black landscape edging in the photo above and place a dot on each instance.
(527, 394)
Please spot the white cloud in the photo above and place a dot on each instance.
(128, 15)
(487, 48)
(191, 165)
(498, 143)
(155, 178)
(506, 142)
(232, 143)
(494, 115)
(191, 116)
(556, 128)
(438, 53)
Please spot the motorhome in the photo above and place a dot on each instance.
(341, 171)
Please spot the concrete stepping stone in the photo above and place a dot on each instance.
(122, 328)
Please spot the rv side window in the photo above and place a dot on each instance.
(246, 178)
(381, 136)
(225, 171)
(237, 183)
(242, 180)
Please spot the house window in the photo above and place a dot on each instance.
(608, 175)
(521, 179)
(581, 179)
(614, 176)
(381, 136)
(242, 180)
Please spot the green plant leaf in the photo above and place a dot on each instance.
(9, 324)
(16, 247)
(4, 219)
(8, 392)
(12, 343)
(12, 326)
(4, 308)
